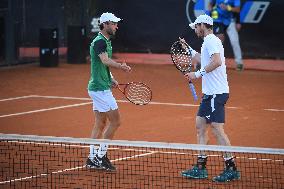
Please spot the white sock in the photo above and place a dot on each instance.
(92, 152)
(102, 150)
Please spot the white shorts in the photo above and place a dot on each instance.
(103, 101)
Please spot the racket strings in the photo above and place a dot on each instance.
(138, 93)
(181, 57)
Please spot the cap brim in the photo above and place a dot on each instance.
(116, 20)
(192, 25)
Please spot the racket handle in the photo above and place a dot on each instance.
(192, 89)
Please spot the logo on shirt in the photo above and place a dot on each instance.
(251, 12)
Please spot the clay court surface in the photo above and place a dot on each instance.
(54, 102)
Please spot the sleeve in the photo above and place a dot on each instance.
(212, 46)
(100, 47)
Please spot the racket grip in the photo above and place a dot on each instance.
(192, 89)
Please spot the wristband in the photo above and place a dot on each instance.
(229, 8)
(200, 73)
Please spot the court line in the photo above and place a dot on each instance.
(69, 169)
(46, 109)
(82, 104)
(16, 98)
(274, 110)
(153, 103)
(125, 101)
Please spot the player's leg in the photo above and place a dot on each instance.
(100, 122)
(218, 119)
(199, 171)
(230, 172)
(218, 131)
(99, 157)
(103, 104)
(235, 43)
(108, 133)
(221, 137)
(113, 117)
(202, 131)
(114, 122)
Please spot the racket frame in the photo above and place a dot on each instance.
(191, 86)
(129, 99)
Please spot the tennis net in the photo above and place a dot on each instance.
(28, 161)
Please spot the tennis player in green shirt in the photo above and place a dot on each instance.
(107, 118)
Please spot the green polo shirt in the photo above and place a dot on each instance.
(100, 75)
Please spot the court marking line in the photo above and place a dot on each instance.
(46, 109)
(82, 104)
(274, 110)
(16, 98)
(153, 103)
(69, 169)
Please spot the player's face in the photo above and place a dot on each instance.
(111, 28)
(199, 30)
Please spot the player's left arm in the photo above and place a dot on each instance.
(215, 57)
(215, 62)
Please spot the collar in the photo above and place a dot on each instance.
(104, 36)
(210, 34)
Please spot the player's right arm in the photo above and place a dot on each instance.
(110, 62)
(100, 49)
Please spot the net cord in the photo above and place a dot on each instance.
(11, 137)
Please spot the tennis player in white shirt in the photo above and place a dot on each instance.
(215, 91)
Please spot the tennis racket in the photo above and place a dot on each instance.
(182, 59)
(136, 92)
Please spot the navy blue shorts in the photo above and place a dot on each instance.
(212, 107)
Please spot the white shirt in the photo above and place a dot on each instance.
(214, 82)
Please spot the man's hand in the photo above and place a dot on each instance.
(182, 42)
(190, 76)
(125, 67)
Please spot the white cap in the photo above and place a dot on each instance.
(109, 17)
(202, 19)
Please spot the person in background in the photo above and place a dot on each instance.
(233, 34)
(225, 14)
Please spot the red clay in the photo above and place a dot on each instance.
(253, 93)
